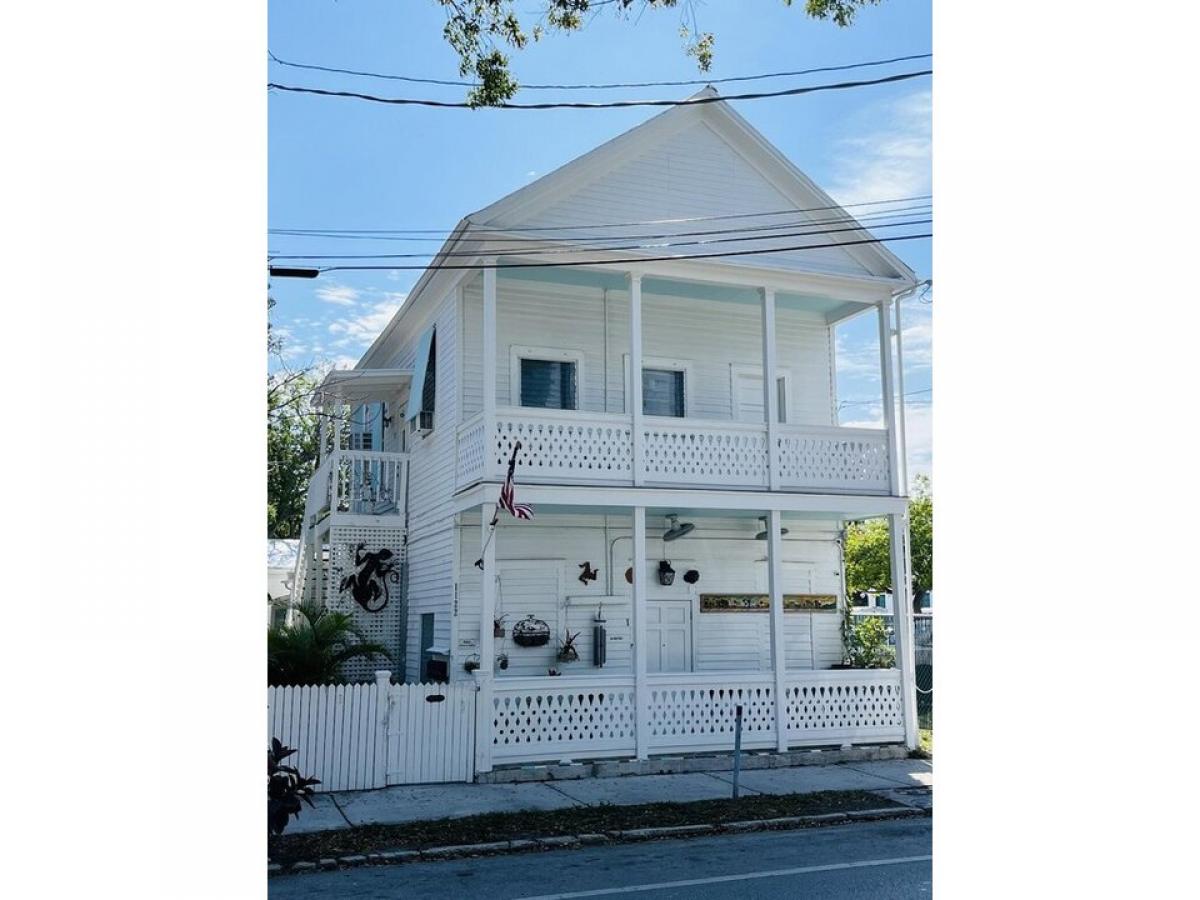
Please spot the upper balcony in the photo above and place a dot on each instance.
(737, 388)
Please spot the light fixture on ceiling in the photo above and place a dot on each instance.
(676, 529)
(762, 535)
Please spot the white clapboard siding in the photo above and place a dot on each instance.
(360, 736)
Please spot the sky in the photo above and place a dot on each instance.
(336, 163)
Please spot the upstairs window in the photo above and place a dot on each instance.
(662, 393)
(422, 397)
(549, 384)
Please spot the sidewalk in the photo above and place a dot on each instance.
(893, 778)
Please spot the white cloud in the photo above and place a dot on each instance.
(339, 294)
(893, 159)
(361, 330)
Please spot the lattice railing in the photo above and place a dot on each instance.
(593, 447)
(692, 452)
(833, 459)
(469, 466)
(557, 718)
(859, 705)
(698, 711)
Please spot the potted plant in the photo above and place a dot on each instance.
(531, 632)
(498, 626)
(567, 651)
(502, 661)
(472, 663)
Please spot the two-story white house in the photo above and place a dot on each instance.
(678, 437)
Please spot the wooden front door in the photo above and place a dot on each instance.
(668, 636)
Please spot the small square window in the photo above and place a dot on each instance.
(662, 393)
(548, 384)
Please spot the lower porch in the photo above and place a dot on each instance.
(692, 616)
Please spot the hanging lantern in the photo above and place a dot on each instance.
(666, 575)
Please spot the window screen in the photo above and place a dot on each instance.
(547, 384)
(662, 392)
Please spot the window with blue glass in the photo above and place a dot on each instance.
(662, 392)
(548, 384)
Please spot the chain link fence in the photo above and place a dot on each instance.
(923, 657)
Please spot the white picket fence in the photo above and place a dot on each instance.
(360, 736)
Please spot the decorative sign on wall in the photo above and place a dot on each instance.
(368, 584)
(762, 603)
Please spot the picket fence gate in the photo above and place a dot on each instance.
(360, 736)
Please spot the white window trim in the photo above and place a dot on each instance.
(671, 365)
(737, 370)
(548, 354)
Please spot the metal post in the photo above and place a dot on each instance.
(737, 749)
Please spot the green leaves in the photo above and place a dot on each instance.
(476, 29)
(286, 788)
(312, 648)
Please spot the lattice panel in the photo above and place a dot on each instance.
(470, 454)
(562, 449)
(553, 723)
(867, 709)
(705, 455)
(385, 626)
(683, 716)
(833, 462)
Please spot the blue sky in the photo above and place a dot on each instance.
(348, 164)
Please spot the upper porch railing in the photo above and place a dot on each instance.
(358, 482)
(573, 447)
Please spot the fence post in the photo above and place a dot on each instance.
(383, 712)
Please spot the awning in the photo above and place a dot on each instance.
(417, 391)
(356, 386)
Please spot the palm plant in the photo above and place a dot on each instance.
(311, 648)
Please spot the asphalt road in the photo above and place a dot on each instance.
(868, 860)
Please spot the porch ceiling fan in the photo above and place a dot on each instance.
(762, 535)
(677, 529)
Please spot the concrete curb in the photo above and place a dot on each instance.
(577, 840)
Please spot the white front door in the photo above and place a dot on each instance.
(668, 636)
(748, 396)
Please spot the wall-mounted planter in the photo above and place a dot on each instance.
(531, 632)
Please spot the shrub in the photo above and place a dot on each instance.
(286, 787)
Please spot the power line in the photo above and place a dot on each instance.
(842, 403)
(922, 209)
(578, 225)
(603, 87)
(557, 250)
(610, 262)
(608, 104)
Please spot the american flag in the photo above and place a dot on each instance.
(508, 497)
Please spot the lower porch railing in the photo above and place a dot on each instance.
(554, 718)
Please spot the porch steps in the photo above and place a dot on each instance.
(671, 765)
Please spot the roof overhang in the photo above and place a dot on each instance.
(362, 385)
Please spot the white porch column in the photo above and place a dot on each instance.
(770, 389)
(902, 623)
(322, 433)
(485, 674)
(489, 367)
(902, 440)
(635, 375)
(778, 657)
(889, 396)
(640, 582)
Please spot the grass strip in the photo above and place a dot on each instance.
(286, 849)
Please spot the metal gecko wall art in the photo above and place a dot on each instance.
(368, 585)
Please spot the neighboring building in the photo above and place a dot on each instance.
(722, 456)
(281, 570)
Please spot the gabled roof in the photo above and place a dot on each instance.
(693, 161)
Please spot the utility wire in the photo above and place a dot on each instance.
(608, 104)
(917, 209)
(578, 225)
(611, 262)
(556, 250)
(842, 403)
(603, 87)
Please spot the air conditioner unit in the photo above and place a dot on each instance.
(422, 423)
